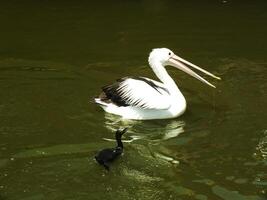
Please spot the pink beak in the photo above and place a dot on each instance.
(179, 63)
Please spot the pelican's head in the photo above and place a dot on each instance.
(166, 57)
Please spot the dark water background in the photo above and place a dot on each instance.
(56, 55)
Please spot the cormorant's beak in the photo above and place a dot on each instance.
(181, 63)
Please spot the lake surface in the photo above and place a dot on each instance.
(56, 55)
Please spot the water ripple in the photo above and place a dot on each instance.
(262, 147)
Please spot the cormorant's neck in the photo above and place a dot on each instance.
(119, 142)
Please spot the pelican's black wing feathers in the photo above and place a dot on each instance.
(137, 92)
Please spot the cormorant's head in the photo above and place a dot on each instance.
(119, 133)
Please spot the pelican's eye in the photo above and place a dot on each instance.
(170, 53)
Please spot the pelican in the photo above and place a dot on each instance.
(141, 98)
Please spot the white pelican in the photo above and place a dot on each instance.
(141, 98)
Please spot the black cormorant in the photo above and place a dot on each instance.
(106, 156)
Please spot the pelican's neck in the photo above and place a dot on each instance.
(165, 78)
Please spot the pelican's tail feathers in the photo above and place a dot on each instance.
(100, 102)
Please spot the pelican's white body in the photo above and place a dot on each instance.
(177, 107)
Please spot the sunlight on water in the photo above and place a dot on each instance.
(262, 147)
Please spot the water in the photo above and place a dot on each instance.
(56, 55)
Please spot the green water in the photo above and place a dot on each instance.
(56, 55)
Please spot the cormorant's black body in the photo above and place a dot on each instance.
(106, 156)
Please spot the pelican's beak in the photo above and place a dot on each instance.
(179, 63)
